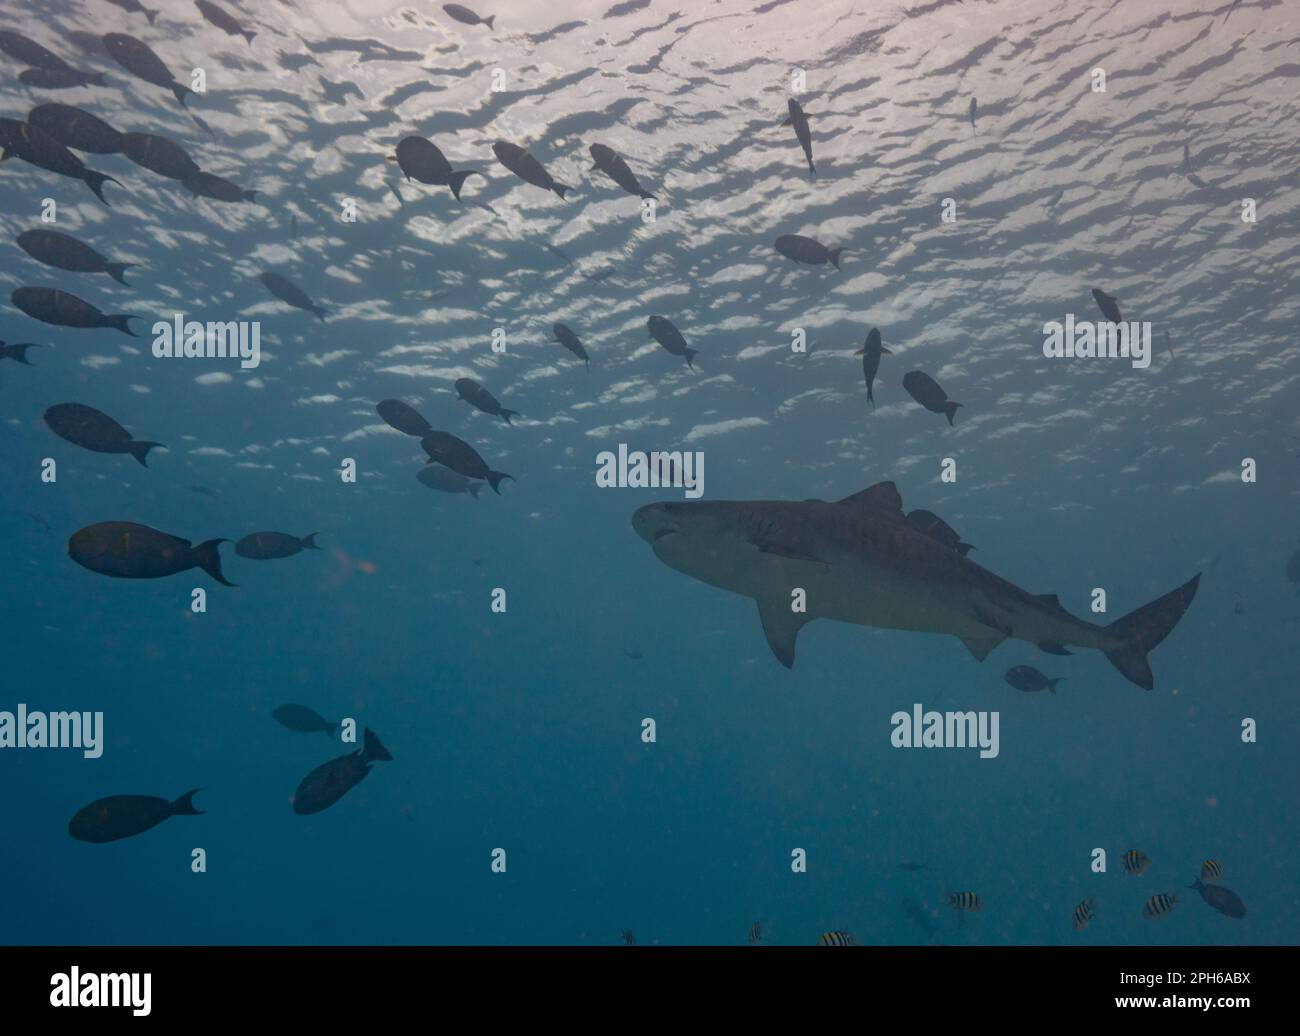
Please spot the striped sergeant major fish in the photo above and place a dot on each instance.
(964, 901)
(1084, 913)
(1135, 862)
(1211, 871)
(756, 933)
(839, 937)
(1159, 905)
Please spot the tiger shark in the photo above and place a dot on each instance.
(862, 560)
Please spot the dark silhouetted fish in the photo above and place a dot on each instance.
(476, 395)
(94, 430)
(526, 167)
(209, 185)
(799, 120)
(911, 866)
(303, 720)
(126, 550)
(930, 524)
(143, 63)
(58, 78)
(1027, 678)
(159, 155)
(135, 7)
(17, 352)
(122, 816)
(31, 53)
(67, 253)
(444, 448)
(633, 654)
(926, 391)
(223, 20)
(1109, 306)
(806, 250)
(286, 291)
(570, 341)
(1224, 900)
(871, 352)
(420, 159)
(861, 562)
(76, 129)
(662, 331)
(38, 148)
(330, 781)
(52, 306)
(404, 418)
(467, 17)
(268, 546)
(435, 476)
(974, 110)
(608, 161)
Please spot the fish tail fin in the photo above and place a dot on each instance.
(871, 397)
(331, 729)
(208, 557)
(250, 196)
(690, 355)
(488, 20)
(1051, 684)
(119, 321)
(151, 15)
(140, 450)
(835, 254)
(95, 181)
(458, 179)
(494, 480)
(1147, 627)
(180, 92)
(812, 170)
(117, 271)
(507, 414)
(950, 408)
(373, 750)
(475, 488)
(19, 352)
(320, 312)
(562, 189)
(184, 806)
(309, 541)
(249, 36)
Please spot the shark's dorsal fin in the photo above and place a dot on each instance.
(981, 643)
(781, 626)
(882, 496)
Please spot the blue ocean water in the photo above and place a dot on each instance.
(522, 730)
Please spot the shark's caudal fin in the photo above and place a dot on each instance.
(1147, 627)
(781, 626)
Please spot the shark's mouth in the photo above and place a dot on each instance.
(661, 533)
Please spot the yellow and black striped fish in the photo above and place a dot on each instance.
(1159, 904)
(1211, 871)
(1135, 862)
(1084, 913)
(756, 933)
(837, 938)
(964, 901)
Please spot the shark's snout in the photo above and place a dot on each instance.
(653, 522)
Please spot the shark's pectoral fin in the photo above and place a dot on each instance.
(982, 642)
(781, 626)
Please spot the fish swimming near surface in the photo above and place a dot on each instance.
(966, 901)
(611, 163)
(29, 52)
(1224, 900)
(443, 479)
(223, 20)
(135, 7)
(58, 78)
(159, 155)
(1027, 678)
(126, 550)
(123, 816)
(862, 561)
(871, 352)
(67, 253)
(136, 57)
(268, 546)
(76, 129)
(926, 391)
(477, 396)
(1108, 305)
(1084, 913)
(806, 250)
(1160, 904)
(303, 720)
(799, 120)
(526, 167)
(662, 331)
(839, 937)
(63, 309)
(209, 185)
(94, 430)
(445, 449)
(17, 351)
(420, 159)
(288, 292)
(1135, 862)
(36, 147)
(465, 16)
(565, 336)
(330, 781)
(974, 110)
(403, 417)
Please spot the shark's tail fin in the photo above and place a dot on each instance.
(1145, 628)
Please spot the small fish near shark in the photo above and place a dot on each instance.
(862, 560)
